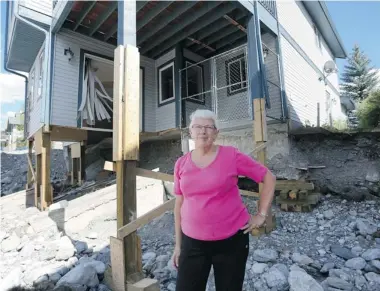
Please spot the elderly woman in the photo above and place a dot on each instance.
(212, 224)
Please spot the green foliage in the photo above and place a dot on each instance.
(340, 124)
(20, 127)
(369, 111)
(358, 78)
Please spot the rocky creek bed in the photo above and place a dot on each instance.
(334, 247)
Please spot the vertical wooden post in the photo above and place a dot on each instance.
(46, 191)
(29, 174)
(257, 83)
(126, 141)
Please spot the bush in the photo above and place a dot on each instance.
(369, 111)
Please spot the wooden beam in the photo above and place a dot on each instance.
(118, 108)
(118, 264)
(145, 219)
(61, 133)
(186, 5)
(152, 13)
(46, 191)
(103, 17)
(196, 26)
(206, 7)
(215, 28)
(88, 5)
(30, 173)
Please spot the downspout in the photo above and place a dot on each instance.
(11, 71)
(46, 81)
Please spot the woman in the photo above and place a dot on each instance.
(212, 224)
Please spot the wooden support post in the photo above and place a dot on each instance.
(46, 189)
(37, 183)
(30, 173)
(257, 80)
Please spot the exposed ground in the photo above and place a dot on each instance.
(335, 246)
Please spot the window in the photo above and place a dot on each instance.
(40, 75)
(166, 83)
(194, 82)
(31, 89)
(317, 37)
(236, 69)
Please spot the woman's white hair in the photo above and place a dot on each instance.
(204, 114)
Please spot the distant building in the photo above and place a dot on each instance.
(15, 130)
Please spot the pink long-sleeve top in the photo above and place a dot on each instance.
(212, 208)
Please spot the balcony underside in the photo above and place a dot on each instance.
(25, 44)
(205, 27)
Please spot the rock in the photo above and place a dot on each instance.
(301, 259)
(356, 263)
(81, 247)
(3, 235)
(275, 279)
(328, 214)
(92, 235)
(327, 267)
(365, 227)
(55, 277)
(13, 279)
(301, 281)
(339, 283)
(342, 252)
(99, 266)
(373, 175)
(259, 268)
(371, 254)
(59, 205)
(356, 251)
(360, 281)
(10, 244)
(80, 275)
(103, 287)
(265, 255)
(282, 268)
(375, 264)
(66, 249)
(373, 277)
(171, 287)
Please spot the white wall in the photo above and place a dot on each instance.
(301, 80)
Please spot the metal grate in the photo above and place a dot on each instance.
(220, 84)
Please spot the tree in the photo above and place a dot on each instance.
(369, 111)
(359, 78)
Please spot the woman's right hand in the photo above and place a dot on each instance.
(176, 254)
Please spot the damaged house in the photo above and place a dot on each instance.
(194, 54)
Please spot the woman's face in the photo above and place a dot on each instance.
(203, 132)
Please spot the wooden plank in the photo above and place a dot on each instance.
(46, 193)
(31, 173)
(258, 148)
(37, 182)
(61, 133)
(145, 219)
(293, 184)
(131, 140)
(118, 264)
(118, 73)
(75, 150)
(146, 284)
(154, 175)
(260, 124)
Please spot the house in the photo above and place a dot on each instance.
(193, 54)
(15, 130)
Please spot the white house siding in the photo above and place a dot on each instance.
(302, 87)
(150, 94)
(64, 107)
(294, 18)
(165, 114)
(41, 6)
(35, 112)
(190, 105)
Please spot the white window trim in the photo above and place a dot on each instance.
(171, 64)
(31, 88)
(40, 72)
(242, 83)
(188, 65)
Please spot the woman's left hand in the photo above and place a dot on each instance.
(256, 221)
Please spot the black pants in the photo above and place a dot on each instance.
(228, 258)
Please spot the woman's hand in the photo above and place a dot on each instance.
(256, 221)
(176, 254)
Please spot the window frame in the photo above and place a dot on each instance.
(40, 77)
(244, 83)
(159, 80)
(201, 101)
(31, 87)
